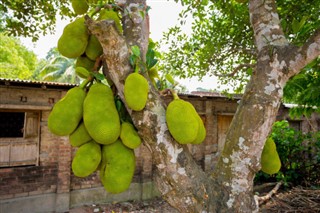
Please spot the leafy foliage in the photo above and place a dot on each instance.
(16, 61)
(299, 154)
(31, 18)
(304, 90)
(222, 40)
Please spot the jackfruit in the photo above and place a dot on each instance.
(111, 15)
(74, 39)
(201, 132)
(136, 90)
(117, 167)
(94, 48)
(79, 6)
(79, 136)
(270, 161)
(67, 113)
(82, 72)
(129, 136)
(100, 115)
(86, 159)
(182, 121)
(84, 61)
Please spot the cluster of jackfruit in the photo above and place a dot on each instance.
(105, 143)
(77, 42)
(270, 161)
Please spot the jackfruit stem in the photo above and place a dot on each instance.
(174, 94)
(84, 83)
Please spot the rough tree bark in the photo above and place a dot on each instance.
(180, 180)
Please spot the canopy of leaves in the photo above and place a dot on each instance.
(304, 90)
(16, 61)
(222, 41)
(31, 18)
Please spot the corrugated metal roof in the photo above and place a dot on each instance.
(31, 83)
(58, 85)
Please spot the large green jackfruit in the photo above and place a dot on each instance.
(86, 159)
(182, 121)
(100, 115)
(117, 167)
(74, 39)
(79, 136)
(111, 15)
(80, 6)
(129, 136)
(270, 161)
(84, 61)
(67, 113)
(94, 48)
(136, 90)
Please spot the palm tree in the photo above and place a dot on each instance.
(58, 68)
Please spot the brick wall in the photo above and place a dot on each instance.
(27, 181)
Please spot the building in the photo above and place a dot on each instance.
(35, 165)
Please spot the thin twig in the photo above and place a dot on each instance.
(262, 199)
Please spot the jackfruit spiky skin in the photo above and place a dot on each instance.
(74, 39)
(67, 113)
(270, 161)
(100, 115)
(117, 167)
(182, 121)
(86, 159)
(79, 6)
(136, 90)
(79, 136)
(129, 136)
(94, 48)
(84, 61)
(111, 15)
(201, 132)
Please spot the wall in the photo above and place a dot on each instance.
(50, 186)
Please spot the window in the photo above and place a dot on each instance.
(11, 124)
(19, 138)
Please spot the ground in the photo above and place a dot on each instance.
(295, 200)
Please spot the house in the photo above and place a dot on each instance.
(35, 165)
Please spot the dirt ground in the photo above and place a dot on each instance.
(295, 200)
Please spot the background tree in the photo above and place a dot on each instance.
(276, 59)
(58, 68)
(16, 61)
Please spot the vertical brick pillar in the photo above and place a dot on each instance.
(64, 174)
(211, 138)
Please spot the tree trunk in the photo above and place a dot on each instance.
(180, 180)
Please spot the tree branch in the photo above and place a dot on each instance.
(266, 24)
(263, 199)
(305, 54)
(236, 69)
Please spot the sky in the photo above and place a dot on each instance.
(163, 15)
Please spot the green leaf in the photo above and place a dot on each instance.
(99, 76)
(170, 79)
(135, 50)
